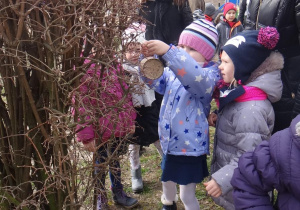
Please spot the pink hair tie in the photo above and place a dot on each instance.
(268, 37)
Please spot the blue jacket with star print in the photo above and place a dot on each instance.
(187, 89)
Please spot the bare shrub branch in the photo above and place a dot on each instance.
(43, 48)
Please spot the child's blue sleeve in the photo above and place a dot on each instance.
(199, 81)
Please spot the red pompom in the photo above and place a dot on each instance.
(268, 37)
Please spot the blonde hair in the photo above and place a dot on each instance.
(233, 83)
(197, 4)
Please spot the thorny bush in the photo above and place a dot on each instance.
(43, 48)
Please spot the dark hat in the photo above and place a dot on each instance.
(249, 49)
(209, 9)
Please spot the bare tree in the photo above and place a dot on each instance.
(43, 48)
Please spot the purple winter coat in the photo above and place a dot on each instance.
(273, 164)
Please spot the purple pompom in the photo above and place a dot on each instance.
(268, 37)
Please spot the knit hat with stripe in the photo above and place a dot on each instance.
(202, 36)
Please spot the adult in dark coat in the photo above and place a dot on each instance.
(285, 16)
(273, 164)
(167, 19)
(147, 12)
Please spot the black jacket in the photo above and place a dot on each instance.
(168, 20)
(147, 12)
(282, 14)
(285, 16)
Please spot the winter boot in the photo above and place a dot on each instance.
(168, 205)
(136, 180)
(102, 202)
(120, 198)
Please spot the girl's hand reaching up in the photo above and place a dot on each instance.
(212, 188)
(149, 48)
(144, 50)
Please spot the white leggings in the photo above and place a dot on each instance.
(187, 194)
(134, 154)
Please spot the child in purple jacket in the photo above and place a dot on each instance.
(274, 164)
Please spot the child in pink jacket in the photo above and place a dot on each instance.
(106, 116)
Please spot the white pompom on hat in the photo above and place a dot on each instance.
(135, 33)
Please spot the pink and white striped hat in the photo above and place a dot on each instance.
(202, 36)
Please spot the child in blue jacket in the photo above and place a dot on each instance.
(187, 85)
